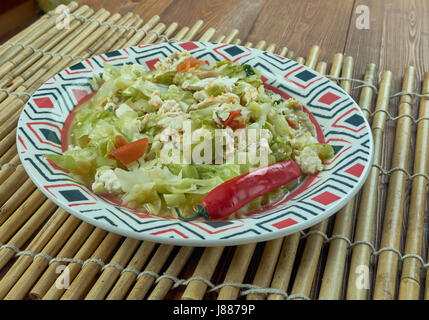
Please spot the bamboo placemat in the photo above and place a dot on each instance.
(374, 248)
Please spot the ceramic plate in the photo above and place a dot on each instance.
(338, 119)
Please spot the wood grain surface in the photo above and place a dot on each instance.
(398, 35)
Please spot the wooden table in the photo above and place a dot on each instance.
(398, 33)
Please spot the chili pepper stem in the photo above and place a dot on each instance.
(202, 213)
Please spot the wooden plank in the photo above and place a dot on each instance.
(301, 25)
(398, 36)
(16, 15)
(224, 15)
(220, 14)
(145, 9)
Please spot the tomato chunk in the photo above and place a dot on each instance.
(131, 151)
(233, 122)
(189, 63)
(120, 141)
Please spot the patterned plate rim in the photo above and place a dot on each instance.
(343, 124)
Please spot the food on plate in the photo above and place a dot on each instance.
(164, 140)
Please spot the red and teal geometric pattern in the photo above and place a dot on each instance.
(338, 119)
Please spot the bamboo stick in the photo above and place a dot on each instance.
(313, 56)
(207, 35)
(11, 52)
(74, 268)
(179, 36)
(361, 253)
(140, 34)
(331, 282)
(271, 48)
(54, 65)
(7, 170)
(165, 284)
(16, 199)
(284, 266)
(79, 236)
(260, 45)
(220, 39)
(308, 264)
(27, 230)
(7, 142)
(126, 279)
(120, 43)
(61, 45)
(9, 155)
(23, 34)
(23, 285)
(410, 283)
(196, 289)
(23, 262)
(169, 31)
(334, 269)
(300, 60)
(283, 52)
(7, 188)
(237, 271)
(108, 277)
(144, 282)
(153, 36)
(10, 125)
(38, 43)
(385, 281)
(15, 221)
(194, 30)
(108, 34)
(231, 36)
(266, 267)
(83, 280)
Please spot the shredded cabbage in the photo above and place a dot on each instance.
(133, 103)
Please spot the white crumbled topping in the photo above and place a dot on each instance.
(133, 165)
(250, 94)
(155, 100)
(142, 123)
(224, 82)
(73, 147)
(170, 106)
(170, 63)
(309, 161)
(223, 98)
(122, 109)
(223, 111)
(106, 180)
(196, 85)
(200, 95)
(174, 120)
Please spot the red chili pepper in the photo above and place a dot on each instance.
(237, 192)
